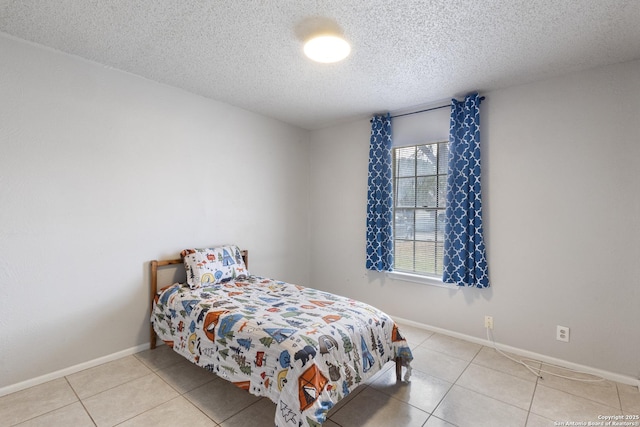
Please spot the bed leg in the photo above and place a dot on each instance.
(153, 290)
(398, 369)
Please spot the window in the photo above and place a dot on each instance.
(419, 184)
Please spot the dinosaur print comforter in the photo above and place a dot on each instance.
(303, 348)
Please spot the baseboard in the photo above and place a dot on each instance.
(71, 370)
(528, 354)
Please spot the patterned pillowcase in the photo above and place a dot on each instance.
(213, 265)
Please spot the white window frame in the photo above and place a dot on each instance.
(434, 279)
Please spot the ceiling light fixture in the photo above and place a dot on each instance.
(327, 48)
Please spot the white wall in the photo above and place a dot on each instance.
(562, 221)
(102, 171)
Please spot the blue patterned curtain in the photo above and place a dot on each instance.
(465, 261)
(380, 197)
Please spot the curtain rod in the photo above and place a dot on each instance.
(428, 109)
(422, 111)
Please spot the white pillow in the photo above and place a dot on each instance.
(213, 265)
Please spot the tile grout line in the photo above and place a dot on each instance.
(495, 398)
(128, 380)
(150, 409)
(533, 396)
(455, 383)
(500, 371)
(364, 387)
(452, 383)
(144, 412)
(388, 396)
(554, 387)
(587, 397)
(81, 402)
(450, 355)
(245, 408)
(157, 368)
(61, 407)
(450, 387)
(51, 411)
(619, 397)
(178, 391)
(197, 407)
(115, 386)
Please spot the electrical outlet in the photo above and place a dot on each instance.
(562, 333)
(488, 322)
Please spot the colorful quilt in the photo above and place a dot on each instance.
(303, 348)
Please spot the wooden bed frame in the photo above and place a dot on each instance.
(155, 264)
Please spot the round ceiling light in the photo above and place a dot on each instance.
(327, 49)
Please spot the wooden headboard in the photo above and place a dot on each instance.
(155, 264)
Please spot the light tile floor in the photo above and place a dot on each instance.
(454, 383)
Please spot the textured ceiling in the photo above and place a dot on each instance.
(404, 53)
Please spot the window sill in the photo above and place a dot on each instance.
(424, 280)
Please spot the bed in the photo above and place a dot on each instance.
(303, 348)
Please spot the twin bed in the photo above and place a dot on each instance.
(303, 348)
